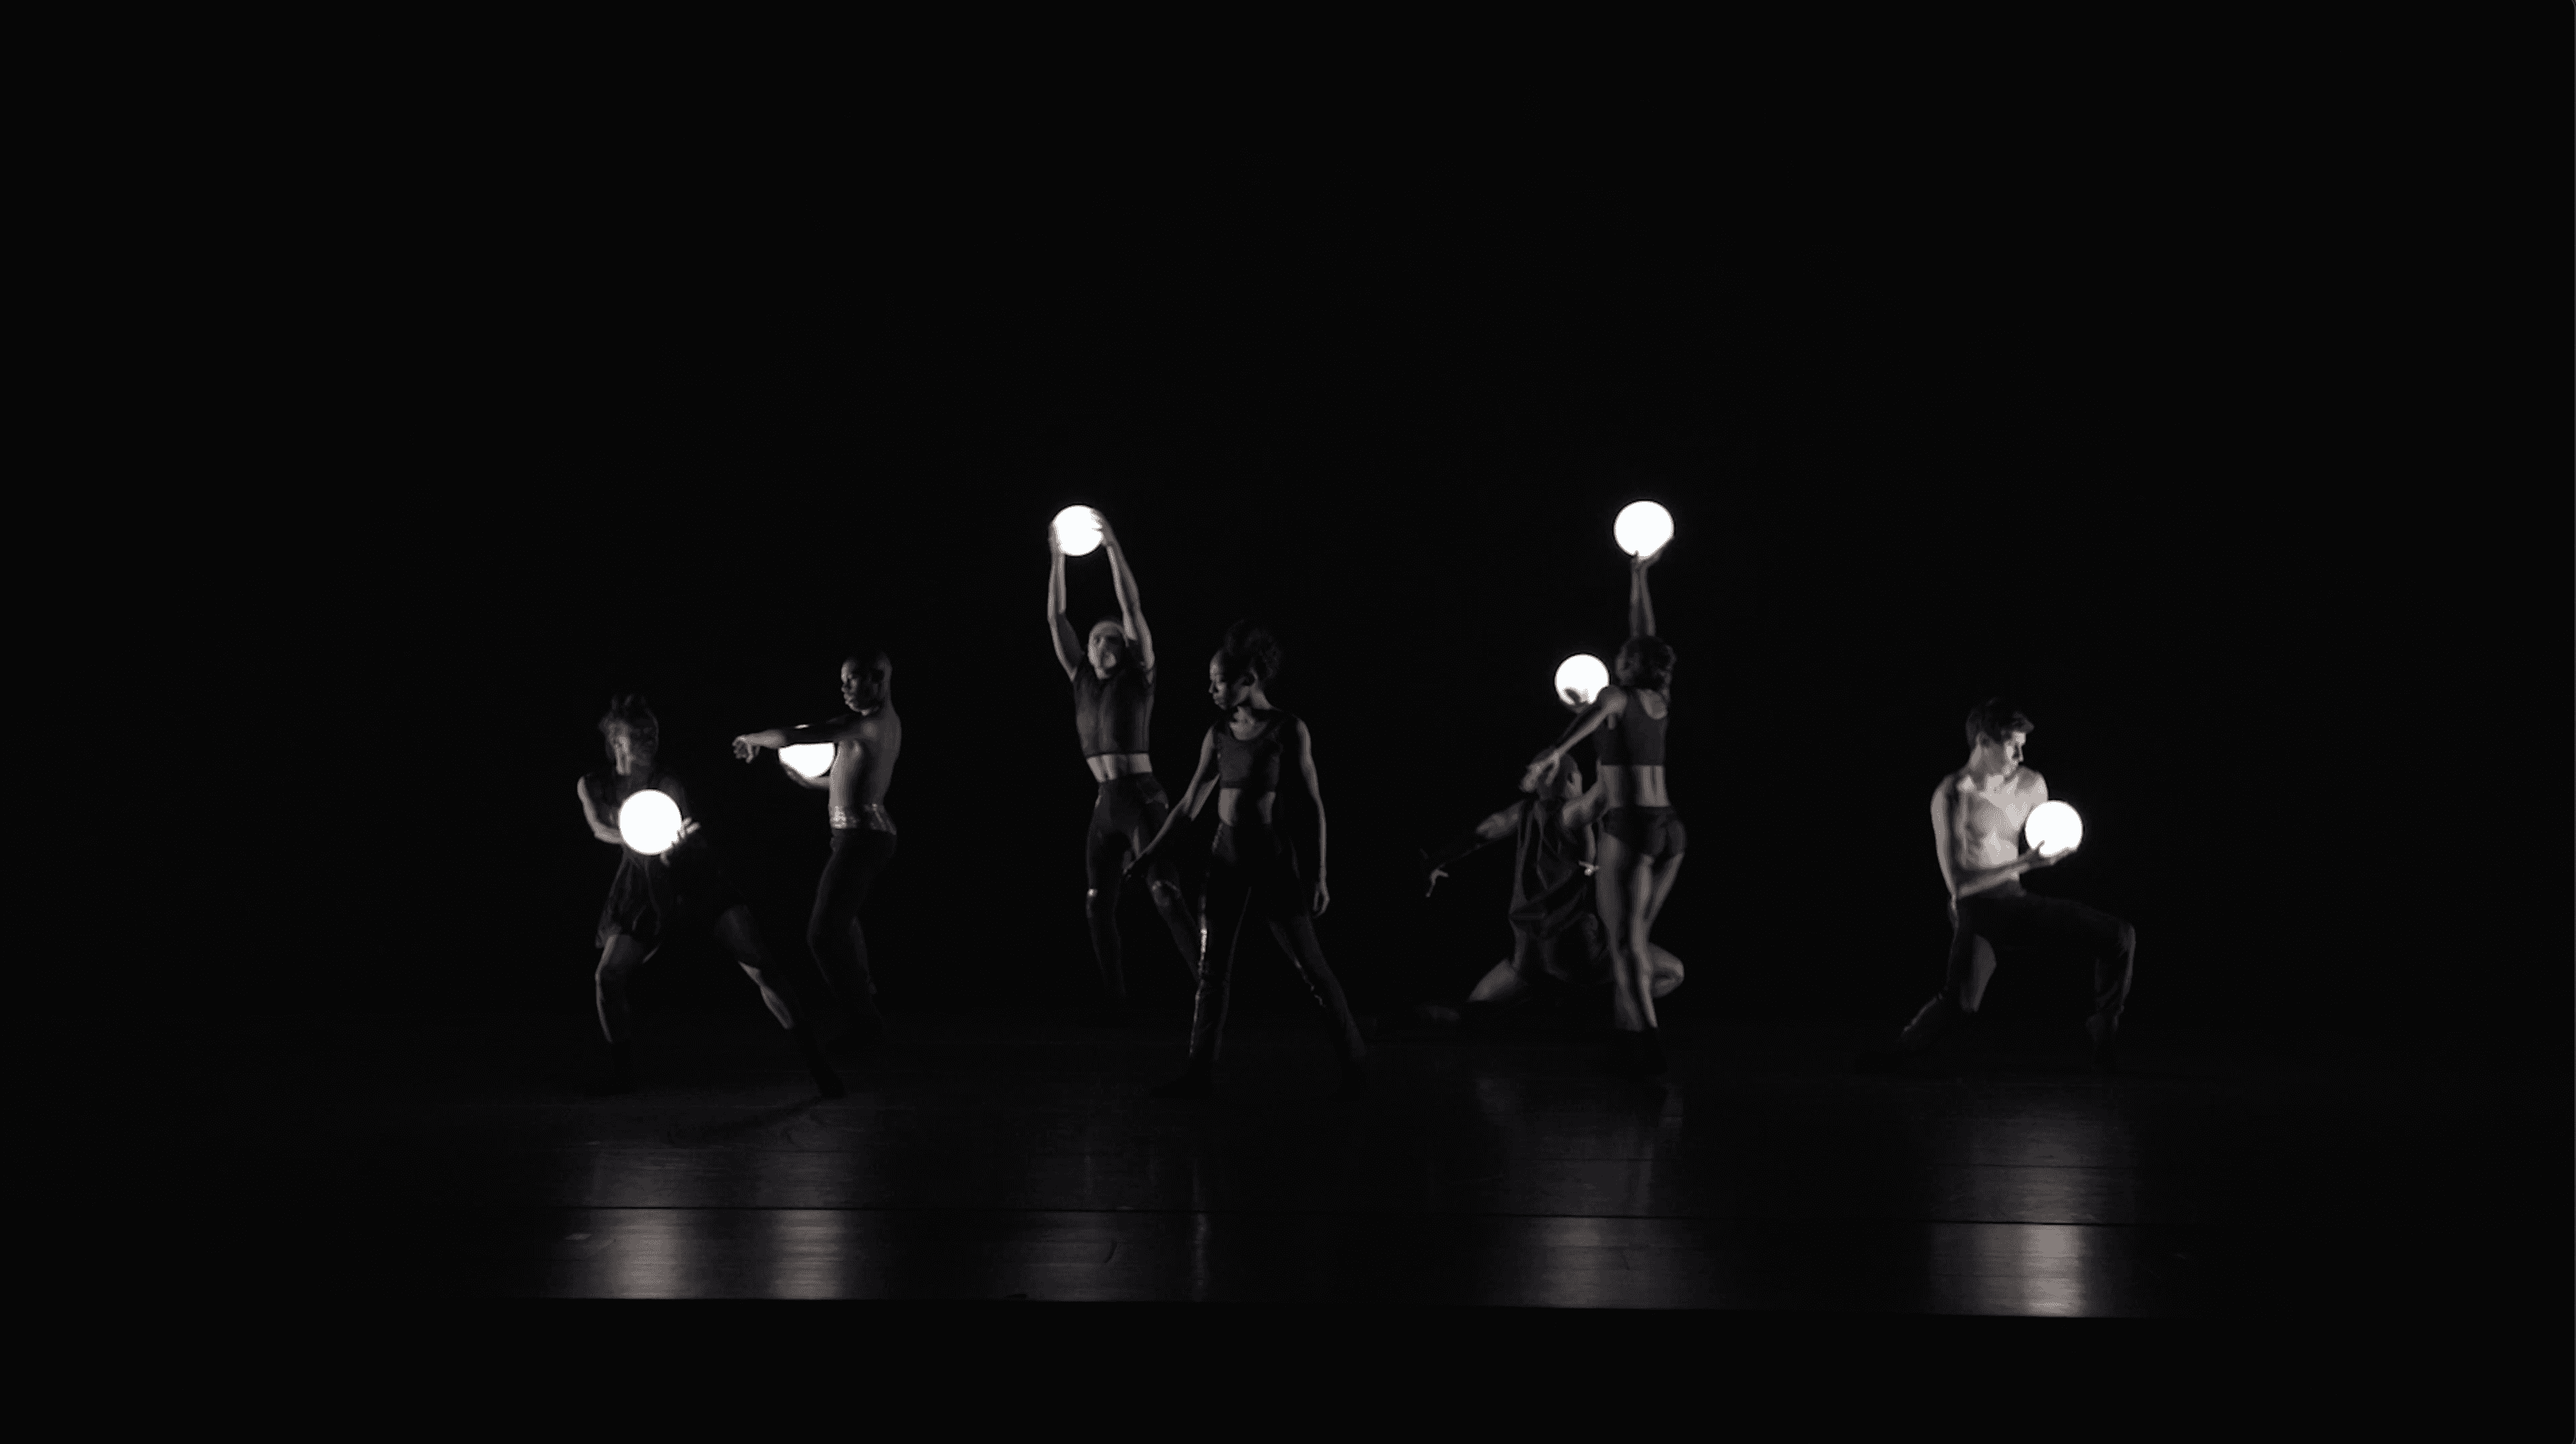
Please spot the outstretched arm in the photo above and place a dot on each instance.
(1193, 797)
(1493, 829)
(845, 728)
(1611, 702)
(1641, 604)
(1131, 612)
(1068, 647)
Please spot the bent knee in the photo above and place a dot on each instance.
(2128, 939)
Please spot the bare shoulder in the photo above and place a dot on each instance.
(1946, 792)
(2034, 784)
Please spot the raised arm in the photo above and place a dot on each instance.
(1641, 605)
(1131, 612)
(1068, 647)
(1611, 702)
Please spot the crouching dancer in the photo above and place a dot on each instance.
(1977, 817)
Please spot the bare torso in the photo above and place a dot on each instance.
(1119, 764)
(863, 766)
(1636, 784)
(1233, 802)
(1986, 818)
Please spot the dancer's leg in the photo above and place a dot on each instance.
(1620, 890)
(1296, 937)
(1502, 984)
(618, 962)
(1171, 893)
(2049, 922)
(739, 937)
(833, 934)
(1663, 971)
(1228, 896)
(1104, 859)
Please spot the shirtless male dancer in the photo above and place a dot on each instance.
(652, 898)
(1642, 838)
(865, 740)
(1977, 817)
(1556, 925)
(1113, 705)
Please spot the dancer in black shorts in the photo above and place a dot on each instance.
(1977, 817)
(1113, 705)
(1251, 868)
(656, 898)
(1557, 938)
(1642, 839)
(865, 740)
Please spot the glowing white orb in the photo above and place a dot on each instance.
(2053, 828)
(1580, 678)
(1642, 526)
(810, 759)
(650, 822)
(1077, 530)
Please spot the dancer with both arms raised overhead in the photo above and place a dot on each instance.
(865, 740)
(1251, 868)
(1641, 836)
(1113, 706)
(653, 898)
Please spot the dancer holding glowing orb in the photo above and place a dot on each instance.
(1979, 815)
(1246, 757)
(1642, 529)
(1112, 673)
(865, 740)
(1579, 680)
(810, 762)
(668, 881)
(1642, 838)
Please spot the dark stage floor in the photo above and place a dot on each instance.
(2274, 1190)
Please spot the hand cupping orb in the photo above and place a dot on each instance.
(2053, 829)
(1077, 530)
(1580, 678)
(1642, 527)
(650, 822)
(807, 759)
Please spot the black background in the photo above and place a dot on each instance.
(2179, 403)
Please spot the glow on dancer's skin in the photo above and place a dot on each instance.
(1642, 528)
(1077, 530)
(1579, 680)
(2053, 829)
(649, 822)
(810, 759)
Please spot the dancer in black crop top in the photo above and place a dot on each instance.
(1642, 839)
(654, 898)
(1250, 866)
(1113, 707)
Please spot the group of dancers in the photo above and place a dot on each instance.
(1594, 863)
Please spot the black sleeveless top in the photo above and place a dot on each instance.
(1251, 765)
(1635, 739)
(1115, 713)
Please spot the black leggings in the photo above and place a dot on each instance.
(1124, 821)
(832, 933)
(1251, 869)
(2008, 917)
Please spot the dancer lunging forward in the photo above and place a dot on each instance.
(1977, 817)
(656, 897)
(1641, 836)
(1251, 868)
(865, 740)
(1557, 938)
(1113, 706)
